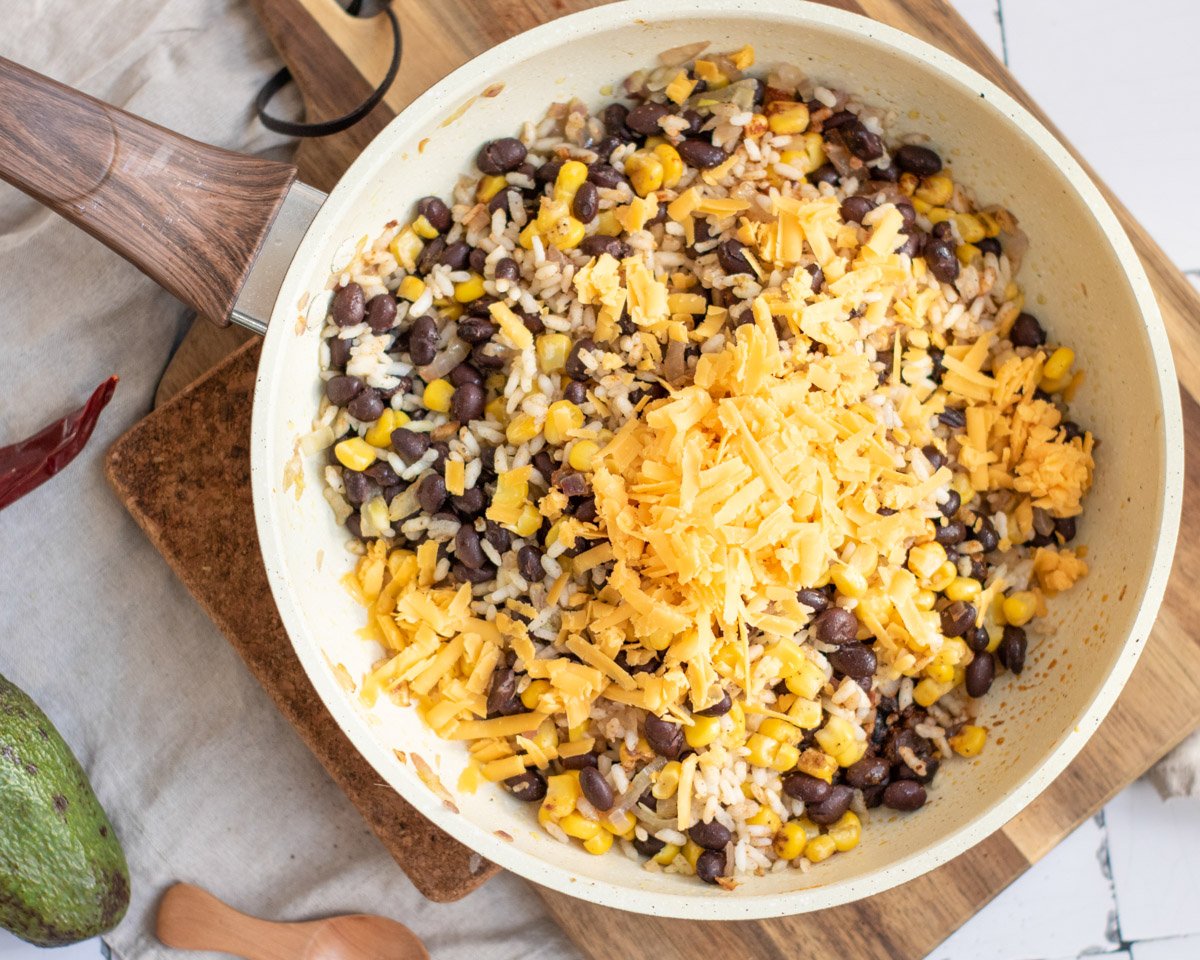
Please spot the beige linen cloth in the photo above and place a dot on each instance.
(204, 780)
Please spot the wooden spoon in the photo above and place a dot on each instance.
(192, 919)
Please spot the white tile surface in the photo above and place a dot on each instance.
(13, 949)
(1122, 83)
(1174, 948)
(1153, 849)
(1064, 904)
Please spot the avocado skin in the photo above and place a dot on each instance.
(63, 875)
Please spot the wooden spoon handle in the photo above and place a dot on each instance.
(193, 919)
(190, 216)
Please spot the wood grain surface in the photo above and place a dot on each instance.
(190, 216)
(1159, 707)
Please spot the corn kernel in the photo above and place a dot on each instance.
(939, 215)
(355, 453)
(925, 558)
(762, 750)
(786, 117)
(406, 247)
(600, 844)
(937, 190)
(766, 817)
(807, 681)
(846, 831)
(561, 418)
(702, 732)
(423, 228)
(522, 428)
(743, 59)
(928, 692)
(790, 841)
(529, 522)
(571, 176)
(578, 826)
(966, 589)
(939, 671)
(672, 164)
(645, 172)
(562, 792)
(552, 351)
(814, 153)
(532, 694)
(380, 433)
(583, 455)
(667, 781)
(786, 757)
(925, 599)
(820, 848)
(525, 237)
(437, 395)
(470, 289)
(849, 582)
(452, 310)
(969, 228)
(691, 853)
(817, 764)
(666, 856)
(779, 730)
(969, 741)
(411, 288)
(837, 739)
(567, 234)
(497, 409)
(680, 88)
(607, 224)
(1059, 363)
(945, 575)
(908, 183)
(966, 252)
(1019, 608)
(490, 186)
(806, 713)
(620, 825)
(921, 206)
(711, 74)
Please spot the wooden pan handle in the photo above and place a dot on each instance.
(190, 216)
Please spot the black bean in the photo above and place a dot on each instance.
(936, 458)
(1071, 429)
(942, 231)
(354, 525)
(586, 204)
(576, 392)
(904, 795)
(574, 366)
(469, 503)
(548, 171)
(855, 208)
(465, 373)
(868, 772)
(644, 118)
(349, 305)
(477, 260)
(908, 213)
(986, 535)
(701, 154)
(831, 809)
(464, 574)
(920, 161)
(467, 548)
(585, 510)
(978, 639)
(497, 536)
(431, 494)
(598, 244)
(836, 625)
(989, 245)
(710, 835)
(839, 119)
(367, 406)
(409, 445)
(595, 788)
(506, 269)
(718, 709)
(950, 533)
(613, 117)
(502, 699)
(579, 762)
(381, 313)
(802, 786)
(953, 417)
(862, 142)
(476, 329)
(826, 173)
(573, 484)
(650, 846)
(529, 786)
(665, 738)
(341, 390)
(710, 865)
(359, 487)
(501, 201)
(695, 118)
(1027, 332)
(436, 212)
(442, 449)
(913, 245)
(1065, 528)
(856, 661)
(422, 340)
(1013, 647)
(529, 564)
(339, 353)
(731, 257)
(950, 505)
(606, 176)
(467, 403)
(456, 255)
(941, 260)
(958, 618)
(500, 156)
(543, 463)
(382, 473)
(815, 600)
(431, 254)
(981, 671)
(533, 323)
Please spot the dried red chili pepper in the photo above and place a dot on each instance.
(30, 463)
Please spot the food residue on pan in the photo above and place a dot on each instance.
(493, 90)
(459, 112)
(433, 782)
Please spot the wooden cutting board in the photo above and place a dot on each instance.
(336, 60)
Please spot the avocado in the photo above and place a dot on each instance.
(63, 876)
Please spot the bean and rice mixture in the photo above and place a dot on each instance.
(703, 466)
